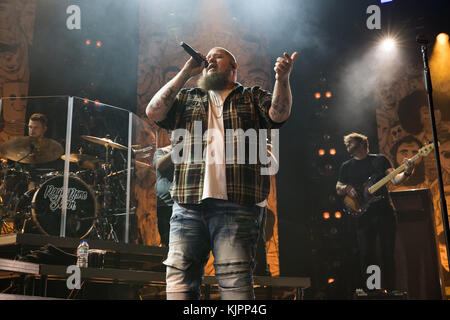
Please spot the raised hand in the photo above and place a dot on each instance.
(283, 66)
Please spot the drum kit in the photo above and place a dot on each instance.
(31, 189)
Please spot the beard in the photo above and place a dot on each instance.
(213, 81)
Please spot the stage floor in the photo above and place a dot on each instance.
(127, 267)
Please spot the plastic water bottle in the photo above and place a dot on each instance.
(83, 254)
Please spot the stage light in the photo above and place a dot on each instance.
(321, 152)
(328, 94)
(86, 101)
(331, 280)
(440, 62)
(333, 151)
(388, 44)
(338, 215)
(317, 95)
(442, 38)
(88, 42)
(97, 103)
(98, 44)
(326, 215)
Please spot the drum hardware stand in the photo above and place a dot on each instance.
(104, 226)
(105, 230)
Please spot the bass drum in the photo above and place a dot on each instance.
(81, 212)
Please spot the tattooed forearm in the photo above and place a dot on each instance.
(280, 109)
(163, 100)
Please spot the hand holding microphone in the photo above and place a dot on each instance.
(195, 65)
(193, 54)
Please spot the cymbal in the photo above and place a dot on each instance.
(79, 157)
(32, 150)
(105, 142)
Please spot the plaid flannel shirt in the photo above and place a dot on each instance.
(245, 108)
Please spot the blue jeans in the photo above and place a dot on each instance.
(230, 230)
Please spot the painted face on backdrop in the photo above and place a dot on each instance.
(407, 150)
(397, 133)
(444, 150)
(14, 108)
(7, 14)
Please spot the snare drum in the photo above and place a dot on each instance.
(82, 207)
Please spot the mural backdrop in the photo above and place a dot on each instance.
(16, 37)
(404, 126)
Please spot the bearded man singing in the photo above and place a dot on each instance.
(218, 205)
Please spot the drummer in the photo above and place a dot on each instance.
(37, 125)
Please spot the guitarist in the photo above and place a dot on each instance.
(379, 217)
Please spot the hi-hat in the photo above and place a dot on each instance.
(104, 142)
(32, 150)
(80, 158)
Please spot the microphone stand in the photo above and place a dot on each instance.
(429, 89)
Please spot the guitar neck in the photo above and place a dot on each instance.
(389, 177)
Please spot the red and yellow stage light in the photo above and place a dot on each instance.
(98, 44)
(321, 152)
(328, 94)
(88, 42)
(326, 215)
(338, 215)
(332, 151)
(331, 280)
(317, 95)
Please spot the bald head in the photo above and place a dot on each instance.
(221, 72)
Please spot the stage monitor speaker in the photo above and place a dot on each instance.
(417, 264)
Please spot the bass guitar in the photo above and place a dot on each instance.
(359, 205)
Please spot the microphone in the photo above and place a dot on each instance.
(193, 53)
(422, 39)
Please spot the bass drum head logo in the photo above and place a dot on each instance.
(81, 207)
